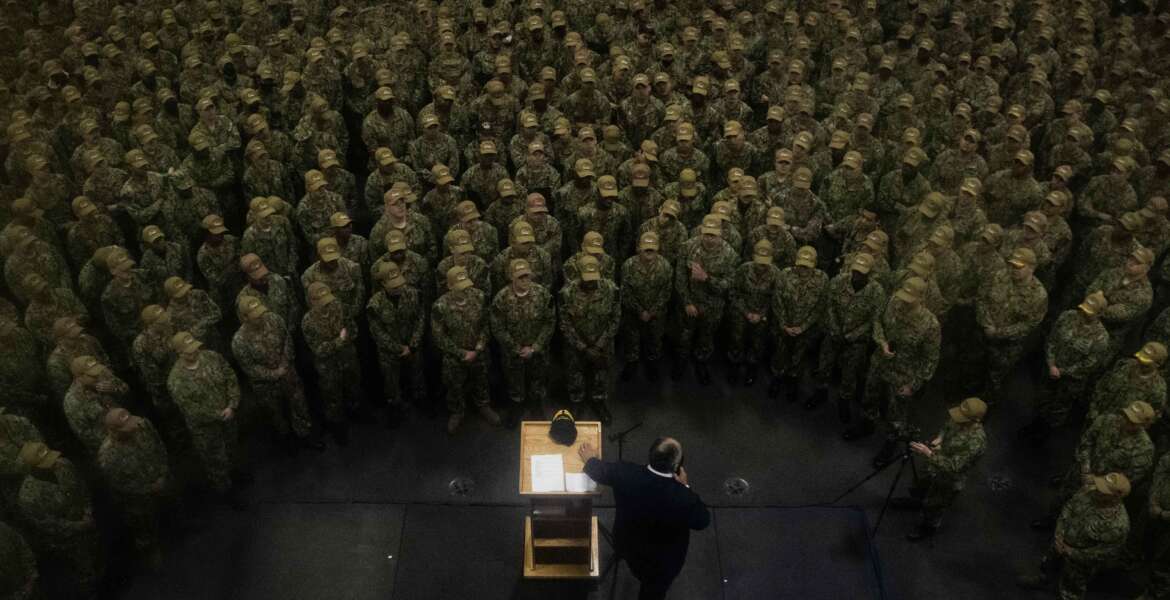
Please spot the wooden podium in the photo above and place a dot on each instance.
(560, 530)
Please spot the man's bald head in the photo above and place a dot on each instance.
(665, 455)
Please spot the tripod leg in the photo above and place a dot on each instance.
(873, 474)
(890, 494)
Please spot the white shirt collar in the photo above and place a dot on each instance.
(659, 473)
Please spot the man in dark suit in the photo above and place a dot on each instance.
(656, 510)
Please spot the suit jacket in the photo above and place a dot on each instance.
(654, 517)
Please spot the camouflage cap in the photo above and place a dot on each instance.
(671, 207)
(185, 343)
(1022, 258)
(1115, 485)
(522, 233)
(86, 366)
(722, 210)
(914, 157)
(1151, 353)
(66, 327)
(802, 178)
(319, 294)
(607, 186)
(762, 252)
(685, 131)
(774, 216)
(328, 249)
(315, 180)
(250, 308)
(339, 219)
(394, 240)
(1036, 221)
(806, 256)
(942, 236)
(1140, 413)
(922, 264)
(457, 279)
(862, 263)
(852, 160)
(648, 241)
(590, 268)
(1094, 303)
(519, 268)
(176, 287)
(151, 233)
(711, 225)
(253, 266)
(971, 186)
(458, 241)
(505, 188)
(466, 211)
(911, 291)
(969, 410)
(441, 174)
(839, 140)
(390, 274)
(535, 203)
(593, 243)
(991, 233)
(327, 158)
(38, 455)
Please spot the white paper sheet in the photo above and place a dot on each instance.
(548, 473)
(579, 482)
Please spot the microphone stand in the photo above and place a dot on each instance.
(620, 438)
(903, 458)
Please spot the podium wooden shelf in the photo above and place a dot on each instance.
(560, 530)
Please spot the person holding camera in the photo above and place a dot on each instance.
(949, 456)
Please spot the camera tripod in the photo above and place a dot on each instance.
(903, 458)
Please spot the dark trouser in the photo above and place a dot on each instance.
(653, 590)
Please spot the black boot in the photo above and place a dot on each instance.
(863, 428)
(313, 441)
(1043, 524)
(920, 533)
(886, 455)
(774, 388)
(235, 499)
(702, 373)
(905, 503)
(628, 370)
(394, 416)
(749, 375)
(843, 410)
(791, 389)
(677, 369)
(292, 445)
(816, 398)
(732, 375)
(651, 370)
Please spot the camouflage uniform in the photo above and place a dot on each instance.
(344, 279)
(459, 324)
(18, 565)
(335, 357)
(135, 468)
(914, 336)
(202, 393)
(263, 347)
(122, 303)
(17, 431)
(797, 303)
(589, 322)
(219, 265)
(719, 260)
(86, 404)
(273, 239)
(1125, 383)
(1130, 298)
(1107, 446)
(646, 288)
(1076, 346)
(1159, 510)
(1009, 311)
(849, 317)
(961, 447)
(519, 321)
(751, 291)
(397, 319)
(58, 511)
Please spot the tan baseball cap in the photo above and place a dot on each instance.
(969, 410)
(328, 250)
(522, 233)
(185, 343)
(806, 256)
(176, 287)
(590, 268)
(441, 174)
(457, 279)
(1151, 353)
(518, 268)
(1114, 484)
(648, 241)
(593, 243)
(607, 186)
(320, 294)
(762, 253)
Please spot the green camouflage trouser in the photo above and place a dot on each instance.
(391, 367)
(466, 383)
(284, 399)
(526, 379)
(1075, 575)
(338, 380)
(642, 339)
(745, 344)
(790, 353)
(697, 334)
(141, 512)
(583, 372)
(1002, 356)
(80, 555)
(881, 402)
(850, 357)
(937, 494)
(215, 444)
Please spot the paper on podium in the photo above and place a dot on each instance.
(548, 473)
(579, 483)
